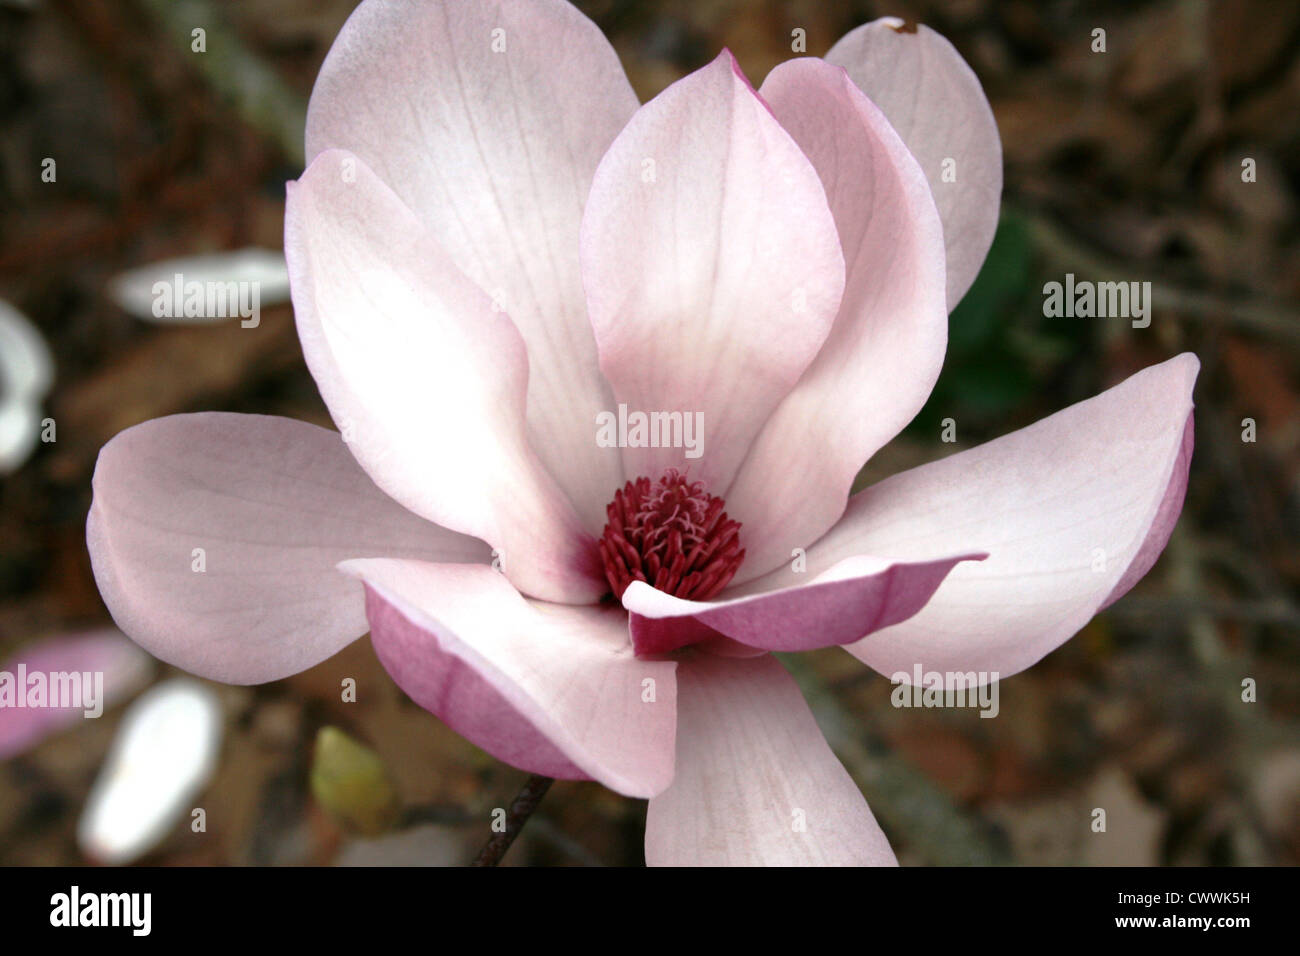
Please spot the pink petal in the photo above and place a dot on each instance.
(425, 377)
(934, 100)
(551, 689)
(712, 266)
(1071, 510)
(274, 504)
(855, 598)
(493, 149)
(756, 784)
(123, 669)
(1162, 526)
(885, 350)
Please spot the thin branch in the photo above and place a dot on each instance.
(1272, 611)
(1279, 320)
(525, 802)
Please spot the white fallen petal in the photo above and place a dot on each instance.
(20, 427)
(26, 366)
(26, 373)
(152, 292)
(164, 753)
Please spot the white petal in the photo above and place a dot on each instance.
(933, 99)
(157, 286)
(165, 752)
(26, 373)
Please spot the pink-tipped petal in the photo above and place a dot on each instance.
(488, 120)
(80, 676)
(886, 347)
(551, 689)
(214, 539)
(1071, 510)
(856, 597)
(426, 377)
(934, 100)
(712, 267)
(756, 783)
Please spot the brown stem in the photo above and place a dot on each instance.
(525, 802)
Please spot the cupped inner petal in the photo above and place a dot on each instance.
(712, 270)
(887, 344)
(488, 120)
(426, 377)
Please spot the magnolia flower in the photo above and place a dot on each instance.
(493, 247)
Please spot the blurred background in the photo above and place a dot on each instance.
(1125, 165)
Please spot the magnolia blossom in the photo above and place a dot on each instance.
(493, 246)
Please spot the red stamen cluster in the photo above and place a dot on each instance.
(671, 534)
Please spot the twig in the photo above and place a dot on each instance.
(525, 802)
(1273, 611)
(1277, 319)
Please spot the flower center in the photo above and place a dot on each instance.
(673, 535)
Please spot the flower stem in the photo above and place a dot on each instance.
(525, 802)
